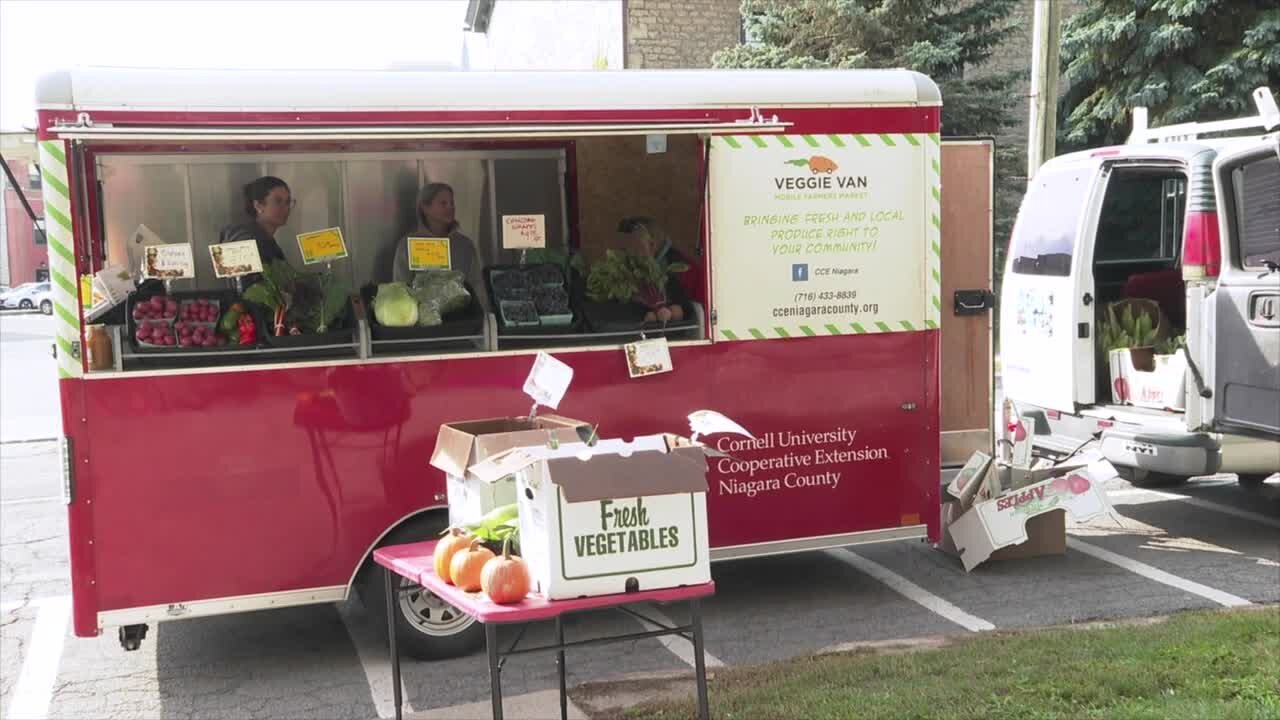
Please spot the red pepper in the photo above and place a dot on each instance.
(248, 330)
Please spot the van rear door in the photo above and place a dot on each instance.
(1046, 309)
(1246, 305)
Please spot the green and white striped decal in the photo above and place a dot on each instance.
(62, 261)
(800, 142)
(933, 231)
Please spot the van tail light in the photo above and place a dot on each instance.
(1201, 247)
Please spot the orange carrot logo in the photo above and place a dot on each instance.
(816, 164)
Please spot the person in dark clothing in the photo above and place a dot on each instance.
(267, 202)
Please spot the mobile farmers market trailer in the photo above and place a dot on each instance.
(775, 232)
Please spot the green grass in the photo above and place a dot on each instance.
(1196, 665)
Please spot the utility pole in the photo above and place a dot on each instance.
(1042, 130)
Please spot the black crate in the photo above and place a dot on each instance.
(467, 322)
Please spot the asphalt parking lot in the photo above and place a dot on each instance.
(1210, 543)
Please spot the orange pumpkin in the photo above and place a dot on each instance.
(505, 579)
(467, 564)
(456, 540)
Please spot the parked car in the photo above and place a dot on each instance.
(29, 296)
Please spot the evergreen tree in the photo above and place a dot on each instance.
(1185, 60)
(944, 39)
(940, 38)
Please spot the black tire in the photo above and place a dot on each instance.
(46, 307)
(25, 305)
(1148, 479)
(1252, 480)
(426, 627)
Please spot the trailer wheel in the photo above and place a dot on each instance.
(427, 628)
(1149, 479)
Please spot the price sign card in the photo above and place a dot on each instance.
(168, 262)
(234, 259)
(648, 357)
(322, 246)
(426, 253)
(548, 381)
(520, 232)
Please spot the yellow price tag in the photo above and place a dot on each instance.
(429, 254)
(322, 246)
(86, 290)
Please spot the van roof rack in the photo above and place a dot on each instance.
(1268, 118)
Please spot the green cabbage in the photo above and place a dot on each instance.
(393, 306)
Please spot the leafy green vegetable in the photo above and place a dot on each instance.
(310, 302)
(394, 306)
(627, 278)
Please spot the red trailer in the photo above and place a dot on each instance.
(806, 203)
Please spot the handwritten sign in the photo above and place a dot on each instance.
(235, 258)
(322, 246)
(548, 380)
(429, 254)
(524, 231)
(168, 262)
(648, 357)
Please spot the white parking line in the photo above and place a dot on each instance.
(678, 646)
(1153, 573)
(31, 501)
(34, 690)
(375, 660)
(11, 605)
(913, 592)
(1205, 504)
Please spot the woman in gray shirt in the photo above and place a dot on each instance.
(436, 219)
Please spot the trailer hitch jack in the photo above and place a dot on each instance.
(131, 636)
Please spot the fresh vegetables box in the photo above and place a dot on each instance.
(462, 444)
(609, 517)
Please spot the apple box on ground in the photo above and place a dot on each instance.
(615, 517)
(462, 444)
(1003, 521)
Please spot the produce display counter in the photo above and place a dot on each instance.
(415, 562)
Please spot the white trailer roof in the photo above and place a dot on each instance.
(359, 90)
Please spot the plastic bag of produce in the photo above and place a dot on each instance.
(394, 306)
(442, 288)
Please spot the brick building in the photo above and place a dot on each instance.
(678, 33)
(24, 256)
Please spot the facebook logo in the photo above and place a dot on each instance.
(800, 272)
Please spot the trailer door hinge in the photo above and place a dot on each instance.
(68, 472)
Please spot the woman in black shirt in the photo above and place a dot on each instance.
(267, 202)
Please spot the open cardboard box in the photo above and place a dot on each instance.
(1163, 386)
(1028, 520)
(462, 444)
(616, 517)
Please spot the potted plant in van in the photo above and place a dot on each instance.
(1134, 329)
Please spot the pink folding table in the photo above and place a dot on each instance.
(415, 563)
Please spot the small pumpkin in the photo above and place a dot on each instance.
(467, 564)
(456, 540)
(505, 578)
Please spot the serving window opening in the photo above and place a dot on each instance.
(583, 241)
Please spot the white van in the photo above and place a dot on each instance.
(1169, 220)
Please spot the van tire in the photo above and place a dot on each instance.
(1252, 480)
(1149, 479)
(417, 633)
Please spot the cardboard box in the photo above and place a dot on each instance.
(1163, 387)
(613, 518)
(1005, 521)
(1046, 535)
(460, 445)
